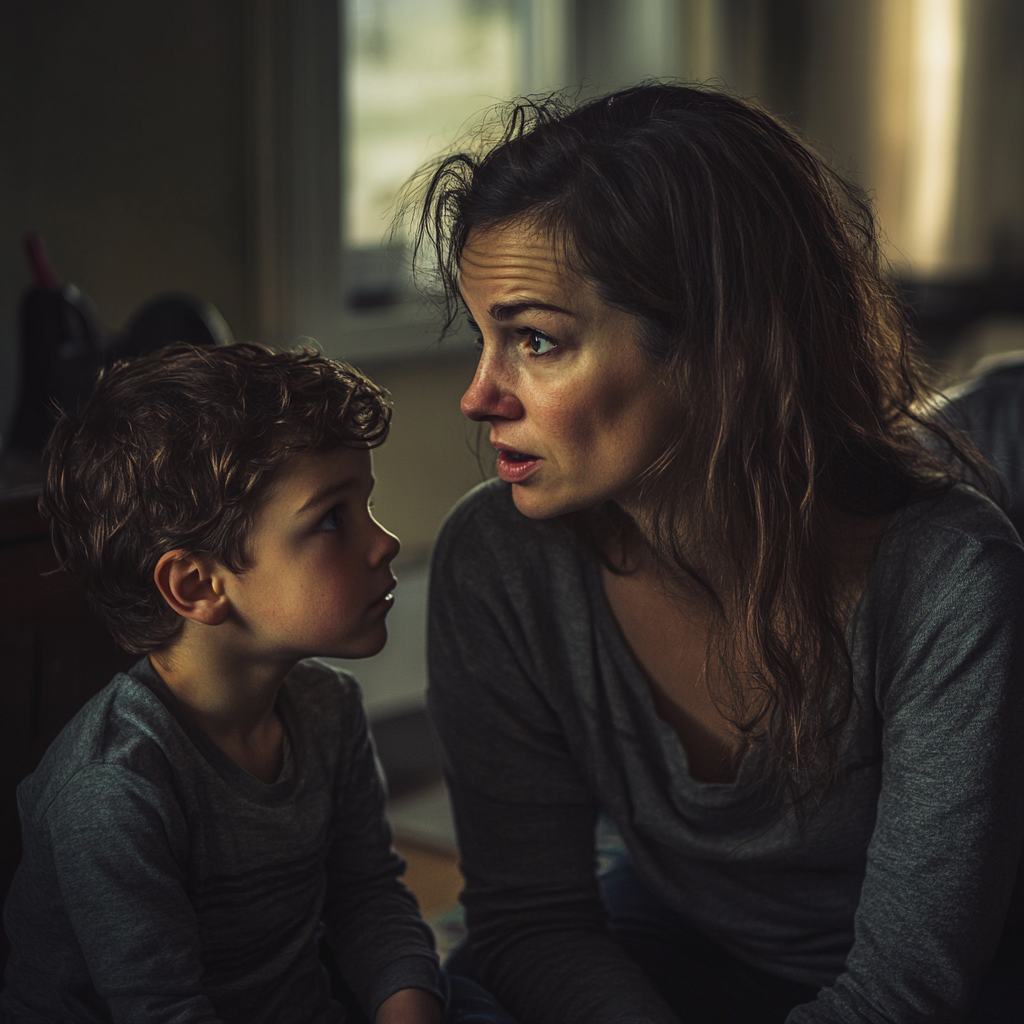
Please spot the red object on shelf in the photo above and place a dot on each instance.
(42, 271)
(61, 349)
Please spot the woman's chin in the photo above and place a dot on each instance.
(540, 503)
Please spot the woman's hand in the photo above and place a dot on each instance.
(409, 1006)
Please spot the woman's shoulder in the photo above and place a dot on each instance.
(487, 519)
(961, 515)
(488, 501)
(956, 545)
(488, 551)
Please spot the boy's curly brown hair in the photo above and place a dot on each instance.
(175, 450)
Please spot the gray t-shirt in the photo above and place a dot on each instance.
(161, 881)
(991, 405)
(891, 897)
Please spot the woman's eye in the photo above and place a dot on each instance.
(475, 328)
(330, 521)
(541, 344)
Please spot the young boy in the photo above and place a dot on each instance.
(209, 815)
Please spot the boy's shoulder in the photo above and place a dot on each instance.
(132, 733)
(124, 728)
(326, 703)
(322, 708)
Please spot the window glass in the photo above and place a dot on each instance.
(418, 71)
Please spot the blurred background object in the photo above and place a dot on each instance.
(250, 151)
(166, 319)
(60, 347)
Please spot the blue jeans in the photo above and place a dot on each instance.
(468, 1002)
(465, 1000)
(704, 984)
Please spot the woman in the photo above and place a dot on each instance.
(722, 594)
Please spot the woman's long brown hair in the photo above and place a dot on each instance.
(754, 271)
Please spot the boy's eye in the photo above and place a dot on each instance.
(330, 521)
(541, 344)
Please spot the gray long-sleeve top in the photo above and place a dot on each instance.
(162, 882)
(891, 897)
(991, 407)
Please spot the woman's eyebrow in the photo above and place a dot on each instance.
(509, 310)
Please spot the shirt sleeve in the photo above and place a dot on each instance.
(374, 928)
(119, 846)
(525, 816)
(947, 838)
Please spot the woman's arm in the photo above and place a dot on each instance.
(525, 815)
(949, 656)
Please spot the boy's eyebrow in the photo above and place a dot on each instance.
(328, 490)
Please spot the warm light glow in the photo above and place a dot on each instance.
(933, 130)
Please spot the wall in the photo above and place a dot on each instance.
(123, 143)
(843, 73)
(430, 459)
(121, 127)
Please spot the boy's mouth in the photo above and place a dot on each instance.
(387, 598)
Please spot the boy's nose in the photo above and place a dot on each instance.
(387, 546)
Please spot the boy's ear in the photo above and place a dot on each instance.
(192, 585)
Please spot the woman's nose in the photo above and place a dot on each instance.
(489, 397)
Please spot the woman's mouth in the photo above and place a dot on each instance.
(514, 466)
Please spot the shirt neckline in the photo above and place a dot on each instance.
(233, 774)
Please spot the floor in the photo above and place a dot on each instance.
(425, 836)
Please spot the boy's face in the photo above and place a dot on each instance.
(321, 581)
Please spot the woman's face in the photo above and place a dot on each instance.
(575, 412)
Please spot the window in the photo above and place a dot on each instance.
(348, 97)
(418, 74)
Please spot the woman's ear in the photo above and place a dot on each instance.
(192, 584)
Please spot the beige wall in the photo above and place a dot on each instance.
(121, 142)
(122, 131)
(429, 461)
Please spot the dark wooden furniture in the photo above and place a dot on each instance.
(55, 653)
